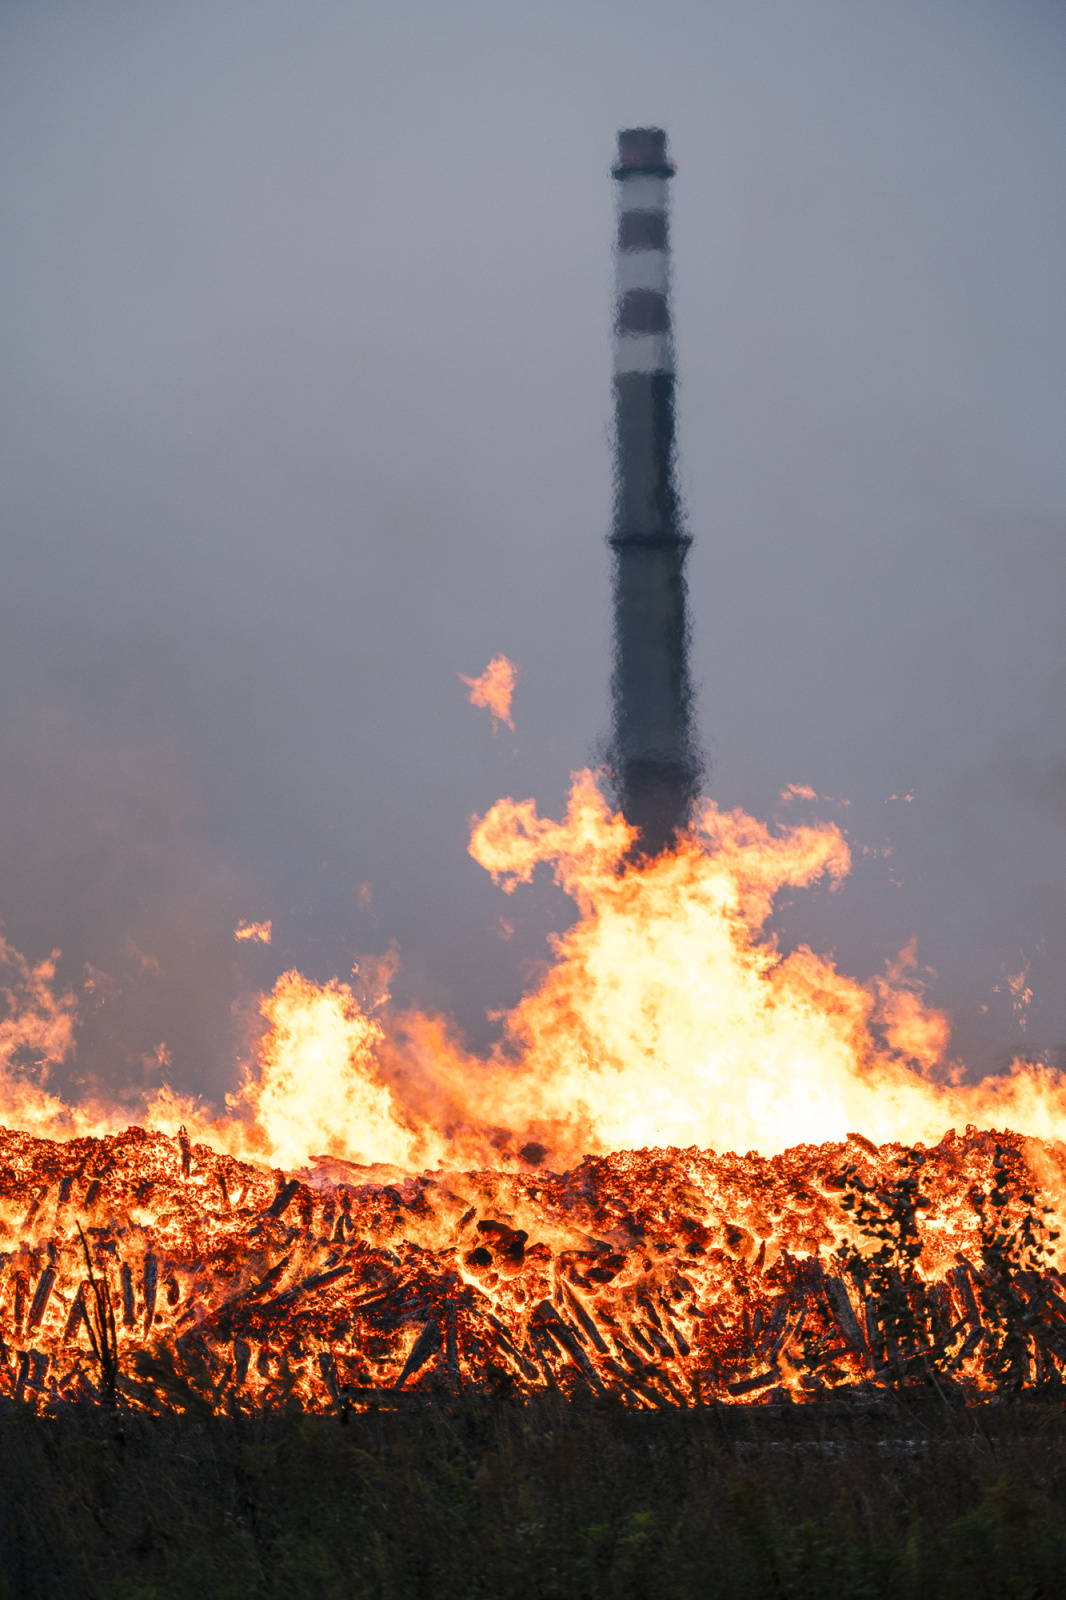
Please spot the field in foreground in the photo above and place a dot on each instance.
(498, 1498)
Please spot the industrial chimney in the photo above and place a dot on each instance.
(653, 752)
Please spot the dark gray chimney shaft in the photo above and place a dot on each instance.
(653, 755)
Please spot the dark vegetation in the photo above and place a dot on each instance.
(493, 1497)
(1014, 1318)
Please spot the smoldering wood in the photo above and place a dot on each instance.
(685, 1329)
(586, 1322)
(509, 1345)
(75, 1315)
(641, 1338)
(636, 1385)
(451, 1346)
(541, 1346)
(45, 1285)
(317, 1280)
(427, 1344)
(558, 1329)
(761, 1380)
(790, 1332)
(659, 1343)
(20, 1300)
(126, 1278)
(773, 1327)
(281, 1201)
(149, 1282)
(960, 1277)
(841, 1307)
(681, 1344)
(242, 1354)
(327, 1366)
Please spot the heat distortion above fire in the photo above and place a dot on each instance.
(653, 749)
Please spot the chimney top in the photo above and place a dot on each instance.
(642, 150)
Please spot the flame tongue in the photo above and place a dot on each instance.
(662, 1276)
(668, 1017)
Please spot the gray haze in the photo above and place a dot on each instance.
(306, 393)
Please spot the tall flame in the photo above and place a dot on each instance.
(668, 1017)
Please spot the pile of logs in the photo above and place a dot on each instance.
(144, 1271)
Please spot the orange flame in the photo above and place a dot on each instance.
(257, 932)
(668, 1017)
(36, 1034)
(494, 689)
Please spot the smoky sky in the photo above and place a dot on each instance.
(305, 410)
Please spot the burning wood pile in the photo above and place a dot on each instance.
(145, 1270)
(155, 1269)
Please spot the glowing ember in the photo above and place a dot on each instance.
(666, 1277)
(493, 690)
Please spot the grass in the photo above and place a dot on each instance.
(492, 1498)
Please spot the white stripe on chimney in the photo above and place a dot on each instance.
(643, 352)
(641, 269)
(643, 191)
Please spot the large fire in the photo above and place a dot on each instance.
(378, 1208)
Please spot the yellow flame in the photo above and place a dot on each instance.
(493, 690)
(668, 1017)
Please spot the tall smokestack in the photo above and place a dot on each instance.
(653, 752)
